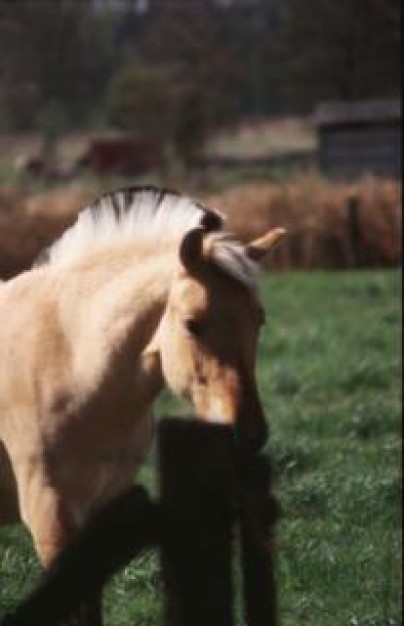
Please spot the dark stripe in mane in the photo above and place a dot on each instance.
(211, 221)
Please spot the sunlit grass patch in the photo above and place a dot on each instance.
(134, 596)
(19, 566)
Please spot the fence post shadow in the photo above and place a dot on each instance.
(208, 486)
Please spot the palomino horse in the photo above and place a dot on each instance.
(146, 289)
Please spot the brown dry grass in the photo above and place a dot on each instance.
(28, 224)
(313, 211)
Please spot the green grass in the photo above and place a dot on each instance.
(329, 374)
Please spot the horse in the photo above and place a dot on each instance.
(146, 290)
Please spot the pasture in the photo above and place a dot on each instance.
(329, 374)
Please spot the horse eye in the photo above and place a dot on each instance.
(195, 327)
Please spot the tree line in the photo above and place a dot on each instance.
(129, 63)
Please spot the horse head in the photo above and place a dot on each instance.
(208, 334)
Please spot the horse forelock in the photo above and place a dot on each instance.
(152, 216)
(230, 256)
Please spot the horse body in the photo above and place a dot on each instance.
(89, 338)
(75, 408)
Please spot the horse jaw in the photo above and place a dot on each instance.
(151, 376)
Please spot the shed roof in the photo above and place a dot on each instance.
(359, 111)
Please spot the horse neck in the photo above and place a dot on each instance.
(121, 298)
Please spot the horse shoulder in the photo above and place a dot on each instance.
(35, 351)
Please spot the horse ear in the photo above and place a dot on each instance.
(259, 248)
(191, 249)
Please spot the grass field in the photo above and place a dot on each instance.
(329, 373)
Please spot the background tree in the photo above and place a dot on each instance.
(233, 58)
(341, 50)
(56, 52)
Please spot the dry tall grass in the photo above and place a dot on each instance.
(29, 224)
(314, 212)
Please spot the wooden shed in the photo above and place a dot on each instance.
(361, 137)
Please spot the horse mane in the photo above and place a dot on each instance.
(148, 215)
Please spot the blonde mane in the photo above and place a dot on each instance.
(149, 215)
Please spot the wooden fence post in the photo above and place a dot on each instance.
(197, 502)
(354, 229)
